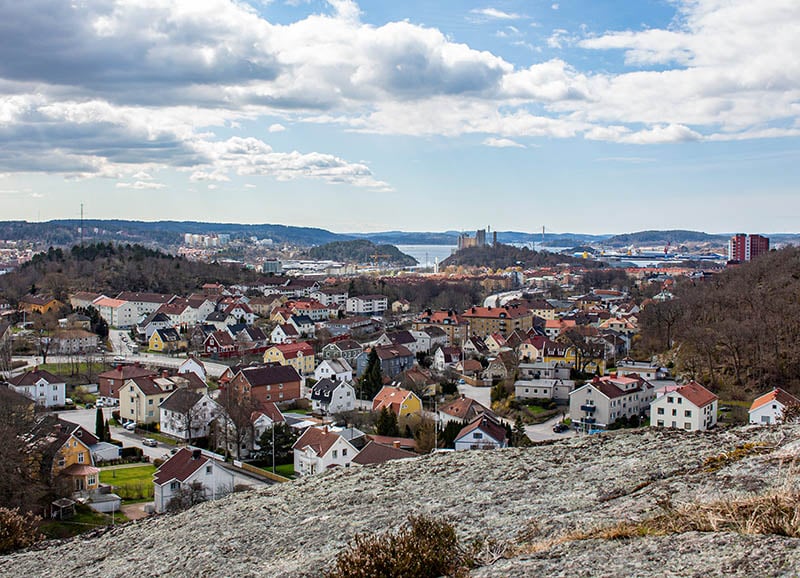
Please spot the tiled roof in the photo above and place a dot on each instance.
(181, 400)
(270, 374)
(496, 312)
(389, 396)
(392, 351)
(487, 425)
(375, 453)
(319, 439)
(144, 297)
(464, 408)
(292, 350)
(180, 466)
(32, 376)
(777, 394)
(405, 443)
(126, 372)
(697, 394)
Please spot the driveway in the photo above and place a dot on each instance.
(544, 431)
(483, 395)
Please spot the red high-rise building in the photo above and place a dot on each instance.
(742, 247)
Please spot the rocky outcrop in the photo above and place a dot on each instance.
(296, 529)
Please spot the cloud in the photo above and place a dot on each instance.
(276, 128)
(502, 143)
(141, 185)
(555, 6)
(495, 14)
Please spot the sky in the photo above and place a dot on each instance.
(593, 116)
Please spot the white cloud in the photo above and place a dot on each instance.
(555, 6)
(276, 128)
(496, 14)
(140, 185)
(502, 143)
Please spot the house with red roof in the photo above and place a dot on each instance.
(400, 401)
(690, 407)
(44, 388)
(190, 476)
(375, 453)
(299, 355)
(462, 409)
(769, 408)
(604, 400)
(483, 433)
(319, 449)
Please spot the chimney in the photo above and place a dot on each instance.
(463, 396)
(164, 373)
(325, 429)
(35, 368)
(396, 444)
(196, 454)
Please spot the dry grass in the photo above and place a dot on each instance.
(716, 463)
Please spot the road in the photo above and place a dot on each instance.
(544, 431)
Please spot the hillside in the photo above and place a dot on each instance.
(109, 269)
(361, 251)
(738, 331)
(674, 238)
(502, 256)
(537, 505)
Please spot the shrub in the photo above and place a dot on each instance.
(131, 452)
(427, 547)
(17, 530)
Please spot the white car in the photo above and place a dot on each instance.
(119, 358)
(130, 426)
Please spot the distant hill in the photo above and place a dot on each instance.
(409, 238)
(502, 256)
(361, 251)
(66, 232)
(675, 237)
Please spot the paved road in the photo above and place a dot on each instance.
(544, 431)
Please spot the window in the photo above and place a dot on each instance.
(674, 412)
(150, 413)
(174, 485)
(61, 461)
(660, 411)
(335, 454)
(660, 423)
(209, 470)
(131, 388)
(687, 425)
(670, 399)
(80, 457)
(680, 400)
(149, 402)
(477, 435)
(132, 400)
(280, 396)
(55, 388)
(344, 452)
(687, 413)
(269, 396)
(91, 480)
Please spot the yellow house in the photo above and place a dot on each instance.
(39, 303)
(140, 397)
(299, 355)
(73, 460)
(400, 401)
(166, 340)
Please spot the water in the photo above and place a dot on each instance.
(427, 254)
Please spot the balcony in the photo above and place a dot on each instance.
(589, 420)
(589, 408)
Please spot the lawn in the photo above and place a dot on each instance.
(85, 519)
(134, 484)
(285, 470)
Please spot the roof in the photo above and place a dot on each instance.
(777, 394)
(270, 374)
(80, 470)
(465, 408)
(319, 439)
(346, 345)
(375, 453)
(180, 466)
(373, 297)
(32, 376)
(292, 350)
(155, 317)
(391, 351)
(401, 337)
(288, 329)
(497, 312)
(104, 301)
(697, 394)
(337, 365)
(323, 389)
(37, 299)
(168, 334)
(390, 396)
(487, 425)
(126, 372)
(144, 297)
(271, 410)
(406, 443)
(181, 400)
(217, 316)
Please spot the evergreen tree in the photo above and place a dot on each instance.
(386, 425)
(519, 439)
(284, 440)
(106, 432)
(450, 432)
(99, 425)
(372, 380)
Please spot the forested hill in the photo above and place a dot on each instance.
(502, 256)
(675, 238)
(109, 269)
(361, 251)
(738, 331)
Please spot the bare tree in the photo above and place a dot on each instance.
(236, 420)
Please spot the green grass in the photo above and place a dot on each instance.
(134, 484)
(85, 519)
(285, 470)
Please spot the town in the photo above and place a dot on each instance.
(145, 403)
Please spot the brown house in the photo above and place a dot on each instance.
(274, 383)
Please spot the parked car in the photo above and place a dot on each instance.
(149, 442)
(100, 403)
(130, 426)
(119, 358)
(560, 428)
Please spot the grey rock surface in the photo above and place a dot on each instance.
(296, 529)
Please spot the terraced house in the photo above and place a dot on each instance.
(485, 321)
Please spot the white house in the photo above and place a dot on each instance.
(330, 396)
(769, 407)
(556, 389)
(193, 365)
(44, 388)
(482, 433)
(116, 312)
(187, 414)
(264, 419)
(367, 304)
(334, 369)
(286, 333)
(319, 449)
(690, 407)
(445, 357)
(604, 400)
(191, 470)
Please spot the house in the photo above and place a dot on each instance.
(303, 324)
(462, 409)
(193, 365)
(111, 381)
(312, 309)
(401, 306)
(44, 388)
(249, 339)
(116, 312)
(448, 321)
(274, 383)
(219, 344)
(495, 342)
(39, 303)
(404, 338)
(241, 312)
(150, 324)
(394, 359)
(190, 471)
(181, 313)
(166, 340)
(65, 451)
(335, 298)
(263, 420)
(71, 341)
(400, 401)
(220, 319)
(502, 320)
(346, 349)
(445, 357)
(187, 414)
(474, 346)
(690, 407)
(544, 389)
(319, 449)
(83, 299)
(769, 408)
(501, 367)
(284, 333)
(483, 433)
(418, 380)
(298, 355)
(602, 401)
(644, 369)
(367, 304)
(375, 453)
(140, 397)
(335, 369)
(330, 396)
(144, 303)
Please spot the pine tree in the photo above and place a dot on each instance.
(372, 380)
(99, 425)
(106, 432)
(386, 424)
